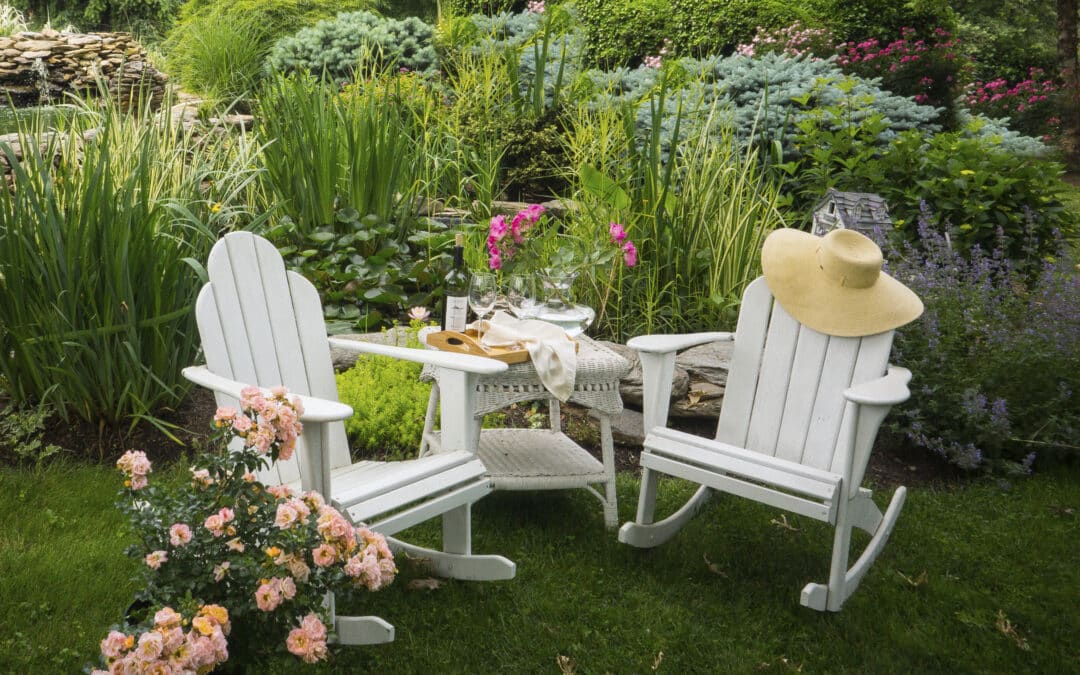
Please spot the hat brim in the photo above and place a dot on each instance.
(789, 260)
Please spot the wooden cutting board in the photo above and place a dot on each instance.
(468, 343)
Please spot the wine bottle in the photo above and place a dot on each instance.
(456, 290)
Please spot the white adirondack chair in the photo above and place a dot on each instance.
(261, 325)
(800, 413)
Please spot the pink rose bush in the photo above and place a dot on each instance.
(224, 545)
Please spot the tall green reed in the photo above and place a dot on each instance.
(329, 150)
(698, 210)
(96, 235)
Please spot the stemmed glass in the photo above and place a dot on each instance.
(482, 293)
(521, 294)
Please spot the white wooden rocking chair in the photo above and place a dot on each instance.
(800, 414)
(261, 325)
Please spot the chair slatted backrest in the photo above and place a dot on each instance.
(262, 325)
(784, 394)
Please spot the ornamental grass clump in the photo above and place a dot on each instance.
(995, 357)
(252, 564)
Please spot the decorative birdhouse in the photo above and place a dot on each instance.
(860, 211)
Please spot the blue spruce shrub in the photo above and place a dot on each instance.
(337, 46)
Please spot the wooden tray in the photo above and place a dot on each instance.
(467, 343)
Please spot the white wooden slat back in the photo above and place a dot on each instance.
(741, 388)
(784, 395)
(872, 362)
(263, 327)
(773, 381)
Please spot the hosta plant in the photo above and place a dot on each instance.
(249, 565)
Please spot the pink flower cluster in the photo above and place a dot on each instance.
(898, 53)
(278, 424)
(619, 238)
(373, 565)
(998, 98)
(166, 648)
(535, 7)
(309, 640)
(218, 523)
(657, 60)
(796, 40)
(135, 466)
(504, 239)
(273, 592)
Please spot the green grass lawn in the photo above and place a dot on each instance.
(977, 578)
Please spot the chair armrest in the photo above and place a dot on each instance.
(478, 365)
(315, 409)
(660, 344)
(887, 390)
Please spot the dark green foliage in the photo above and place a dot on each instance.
(978, 192)
(142, 16)
(882, 19)
(620, 32)
(336, 47)
(705, 27)
(488, 7)
(1005, 39)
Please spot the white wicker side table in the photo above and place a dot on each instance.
(546, 459)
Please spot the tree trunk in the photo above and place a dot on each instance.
(1068, 16)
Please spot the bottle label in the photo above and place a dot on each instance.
(457, 308)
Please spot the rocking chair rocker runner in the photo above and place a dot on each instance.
(803, 402)
(261, 325)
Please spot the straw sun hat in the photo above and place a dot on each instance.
(834, 284)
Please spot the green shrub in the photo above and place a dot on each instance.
(218, 48)
(486, 7)
(337, 46)
(141, 16)
(389, 401)
(620, 32)
(21, 431)
(882, 19)
(95, 292)
(978, 192)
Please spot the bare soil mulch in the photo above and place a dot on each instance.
(891, 464)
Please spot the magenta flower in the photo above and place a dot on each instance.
(629, 254)
(618, 232)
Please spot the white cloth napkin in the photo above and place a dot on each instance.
(553, 355)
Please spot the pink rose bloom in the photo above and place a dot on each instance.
(140, 465)
(280, 491)
(235, 545)
(314, 627)
(288, 588)
(242, 424)
(629, 254)
(201, 477)
(251, 398)
(298, 405)
(314, 499)
(139, 482)
(224, 415)
(262, 439)
(172, 639)
(216, 524)
(167, 617)
(113, 644)
(155, 559)
(279, 391)
(179, 534)
(149, 647)
(286, 516)
(323, 555)
(227, 514)
(298, 643)
(268, 596)
(299, 569)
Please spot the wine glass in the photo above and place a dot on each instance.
(482, 293)
(522, 295)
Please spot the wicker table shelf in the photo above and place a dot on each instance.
(547, 459)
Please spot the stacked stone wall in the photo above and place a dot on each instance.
(42, 67)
